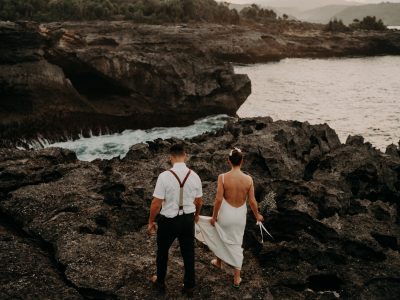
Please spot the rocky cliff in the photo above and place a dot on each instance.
(56, 81)
(72, 229)
(257, 44)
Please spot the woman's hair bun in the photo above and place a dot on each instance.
(236, 156)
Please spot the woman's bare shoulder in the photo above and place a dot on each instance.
(248, 176)
(221, 176)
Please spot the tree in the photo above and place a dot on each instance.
(21, 9)
(188, 8)
(255, 13)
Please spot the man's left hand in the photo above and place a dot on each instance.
(196, 218)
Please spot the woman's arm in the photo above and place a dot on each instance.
(198, 202)
(218, 200)
(253, 203)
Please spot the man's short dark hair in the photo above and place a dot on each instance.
(177, 150)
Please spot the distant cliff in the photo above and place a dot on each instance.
(388, 12)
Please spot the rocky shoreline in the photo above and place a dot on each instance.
(56, 82)
(59, 80)
(76, 230)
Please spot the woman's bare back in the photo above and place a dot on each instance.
(236, 187)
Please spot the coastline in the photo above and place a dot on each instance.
(81, 77)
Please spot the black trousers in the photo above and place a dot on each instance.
(181, 227)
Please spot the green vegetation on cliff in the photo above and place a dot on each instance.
(154, 11)
(367, 23)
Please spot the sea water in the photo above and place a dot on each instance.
(352, 95)
(118, 144)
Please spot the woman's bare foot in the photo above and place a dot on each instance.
(236, 284)
(236, 279)
(217, 263)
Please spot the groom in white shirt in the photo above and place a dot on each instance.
(178, 200)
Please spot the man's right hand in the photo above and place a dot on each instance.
(151, 228)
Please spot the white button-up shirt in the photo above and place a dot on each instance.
(168, 188)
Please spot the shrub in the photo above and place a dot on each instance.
(368, 23)
(336, 26)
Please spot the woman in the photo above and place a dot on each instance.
(223, 232)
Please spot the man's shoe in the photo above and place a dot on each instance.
(159, 287)
(188, 292)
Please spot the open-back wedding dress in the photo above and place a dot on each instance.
(226, 237)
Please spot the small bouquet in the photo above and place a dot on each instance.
(267, 204)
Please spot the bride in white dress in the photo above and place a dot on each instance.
(223, 232)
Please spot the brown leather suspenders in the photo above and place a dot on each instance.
(181, 185)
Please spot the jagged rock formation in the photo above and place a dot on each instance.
(336, 223)
(56, 82)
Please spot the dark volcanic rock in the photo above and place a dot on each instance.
(393, 150)
(25, 262)
(56, 82)
(336, 221)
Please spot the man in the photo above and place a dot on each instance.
(178, 194)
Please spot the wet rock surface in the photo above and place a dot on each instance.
(77, 230)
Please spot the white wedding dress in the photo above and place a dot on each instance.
(225, 239)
